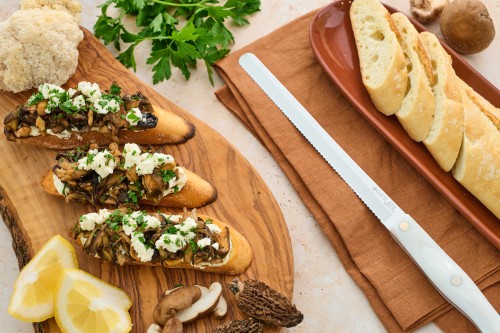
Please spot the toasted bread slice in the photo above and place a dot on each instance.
(382, 62)
(417, 110)
(478, 165)
(170, 129)
(445, 137)
(238, 258)
(196, 192)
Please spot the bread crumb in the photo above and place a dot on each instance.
(73, 7)
(38, 46)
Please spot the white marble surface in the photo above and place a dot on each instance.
(325, 293)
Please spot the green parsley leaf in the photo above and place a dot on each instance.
(167, 175)
(182, 32)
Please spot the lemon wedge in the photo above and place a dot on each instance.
(34, 290)
(84, 303)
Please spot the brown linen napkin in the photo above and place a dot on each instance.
(398, 291)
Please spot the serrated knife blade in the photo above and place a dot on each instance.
(448, 278)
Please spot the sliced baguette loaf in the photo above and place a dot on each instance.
(478, 165)
(445, 137)
(382, 63)
(417, 110)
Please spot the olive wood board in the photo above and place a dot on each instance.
(244, 203)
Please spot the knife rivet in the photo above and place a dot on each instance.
(404, 226)
(456, 280)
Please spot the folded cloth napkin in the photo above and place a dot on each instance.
(400, 294)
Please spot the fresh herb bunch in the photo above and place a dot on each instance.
(181, 31)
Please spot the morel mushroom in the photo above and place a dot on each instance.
(246, 325)
(260, 301)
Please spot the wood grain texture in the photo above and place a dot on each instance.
(244, 202)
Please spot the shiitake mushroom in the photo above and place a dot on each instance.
(467, 26)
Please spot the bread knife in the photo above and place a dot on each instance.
(448, 278)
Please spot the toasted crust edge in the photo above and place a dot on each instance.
(171, 129)
(196, 193)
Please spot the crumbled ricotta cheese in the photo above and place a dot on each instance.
(49, 90)
(103, 216)
(79, 102)
(145, 254)
(101, 162)
(151, 222)
(214, 228)
(148, 162)
(104, 106)
(176, 184)
(129, 225)
(90, 90)
(204, 242)
(59, 185)
(187, 225)
(133, 116)
(87, 221)
(132, 155)
(170, 242)
(215, 246)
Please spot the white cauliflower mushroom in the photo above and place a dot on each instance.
(73, 7)
(38, 46)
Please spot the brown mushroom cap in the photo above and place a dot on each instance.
(176, 300)
(173, 325)
(467, 26)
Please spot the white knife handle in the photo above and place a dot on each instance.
(451, 280)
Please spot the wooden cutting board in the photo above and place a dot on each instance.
(244, 202)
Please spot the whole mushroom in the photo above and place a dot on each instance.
(467, 26)
(260, 301)
(175, 301)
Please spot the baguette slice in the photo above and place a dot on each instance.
(382, 62)
(445, 137)
(239, 257)
(478, 164)
(170, 129)
(196, 193)
(417, 110)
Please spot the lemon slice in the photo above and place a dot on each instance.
(84, 303)
(34, 290)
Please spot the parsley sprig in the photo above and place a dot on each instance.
(181, 31)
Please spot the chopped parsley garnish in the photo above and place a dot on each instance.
(132, 195)
(133, 117)
(167, 175)
(194, 246)
(90, 158)
(35, 98)
(115, 89)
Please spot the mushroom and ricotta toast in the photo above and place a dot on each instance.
(187, 240)
(126, 177)
(63, 119)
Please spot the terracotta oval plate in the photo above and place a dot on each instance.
(333, 44)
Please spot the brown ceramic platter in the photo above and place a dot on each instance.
(333, 44)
